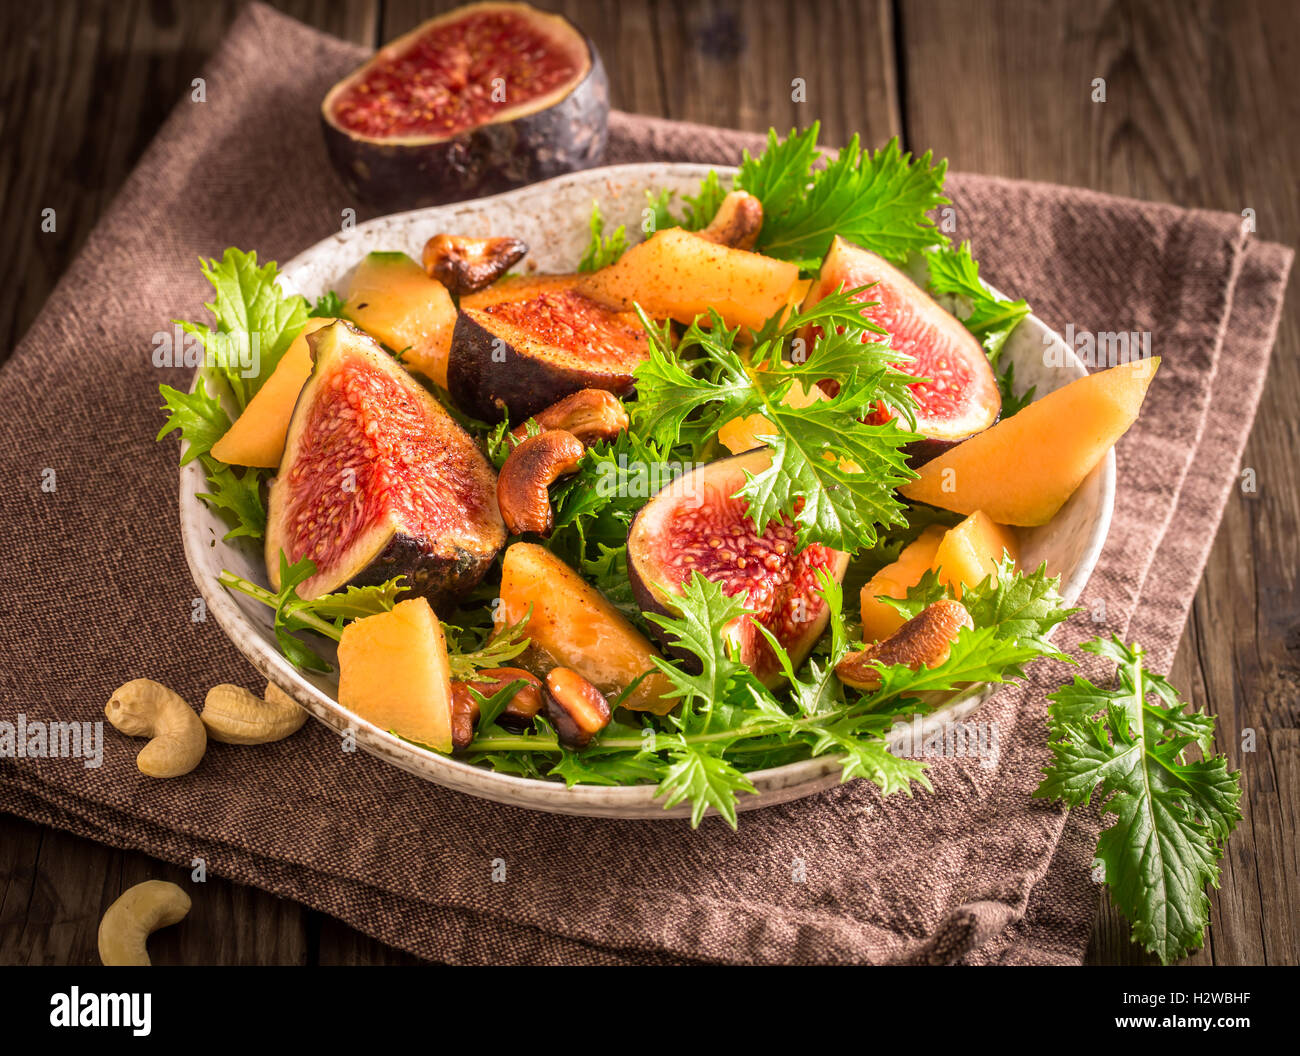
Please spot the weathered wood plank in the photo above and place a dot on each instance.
(1194, 97)
(83, 89)
(734, 63)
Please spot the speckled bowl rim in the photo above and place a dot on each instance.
(775, 786)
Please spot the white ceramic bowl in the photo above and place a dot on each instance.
(552, 218)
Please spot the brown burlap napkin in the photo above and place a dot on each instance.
(98, 592)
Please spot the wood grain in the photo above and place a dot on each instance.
(1194, 92)
(1201, 108)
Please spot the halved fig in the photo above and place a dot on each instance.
(696, 524)
(378, 480)
(960, 396)
(523, 344)
(484, 98)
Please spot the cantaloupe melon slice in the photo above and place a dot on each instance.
(393, 300)
(574, 624)
(880, 620)
(257, 436)
(394, 672)
(676, 274)
(971, 551)
(1023, 469)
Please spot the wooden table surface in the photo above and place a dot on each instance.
(1201, 110)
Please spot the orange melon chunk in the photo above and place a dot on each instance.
(676, 274)
(1023, 469)
(393, 300)
(880, 620)
(394, 672)
(575, 626)
(970, 552)
(257, 436)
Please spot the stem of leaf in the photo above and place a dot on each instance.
(250, 589)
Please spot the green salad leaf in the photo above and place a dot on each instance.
(831, 473)
(602, 250)
(255, 322)
(990, 318)
(728, 724)
(877, 199)
(329, 305)
(198, 415)
(237, 497)
(1023, 605)
(1172, 814)
(201, 422)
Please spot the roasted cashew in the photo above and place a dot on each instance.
(924, 640)
(518, 713)
(529, 470)
(737, 222)
(138, 912)
(233, 715)
(589, 414)
(145, 708)
(465, 264)
(576, 708)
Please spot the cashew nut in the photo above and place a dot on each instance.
(233, 715)
(518, 713)
(145, 708)
(924, 640)
(529, 470)
(737, 222)
(589, 414)
(464, 264)
(576, 708)
(138, 913)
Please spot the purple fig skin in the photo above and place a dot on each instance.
(484, 377)
(567, 136)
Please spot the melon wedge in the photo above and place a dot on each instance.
(880, 620)
(576, 627)
(257, 436)
(394, 672)
(393, 300)
(971, 551)
(1023, 469)
(678, 275)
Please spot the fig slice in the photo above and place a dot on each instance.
(378, 480)
(697, 524)
(526, 343)
(486, 97)
(960, 396)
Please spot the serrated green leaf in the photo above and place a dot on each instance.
(198, 415)
(238, 497)
(705, 779)
(1127, 745)
(879, 200)
(252, 315)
